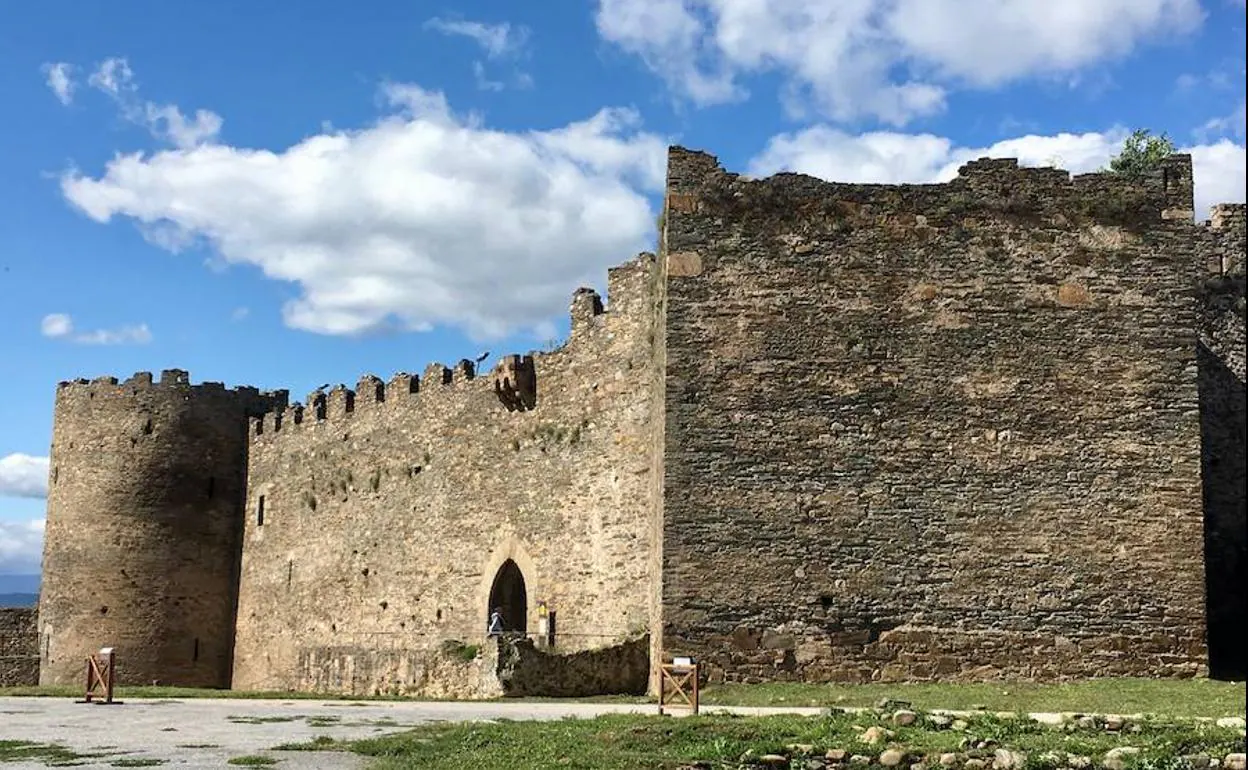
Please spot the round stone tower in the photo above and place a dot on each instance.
(145, 505)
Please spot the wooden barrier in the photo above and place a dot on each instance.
(101, 673)
(682, 674)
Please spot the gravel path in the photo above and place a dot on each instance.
(205, 732)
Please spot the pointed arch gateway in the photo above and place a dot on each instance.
(510, 580)
(509, 593)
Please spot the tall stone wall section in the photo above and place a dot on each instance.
(145, 498)
(941, 431)
(1220, 357)
(389, 509)
(19, 647)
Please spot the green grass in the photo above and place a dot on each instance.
(1172, 697)
(19, 751)
(254, 720)
(628, 742)
(138, 762)
(252, 760)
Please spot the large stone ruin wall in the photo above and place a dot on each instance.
(939, 431)
(141, 547)
(389, 509)
(1220, 356)
(19, 647)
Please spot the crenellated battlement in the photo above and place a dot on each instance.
(171, 382)
(512, 381)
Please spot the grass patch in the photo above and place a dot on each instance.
(252, 760)
(319, 743)
(627, 741)
(250, 720)
(1172, 697)
(138, 762)
(199, 745)
(18, 751)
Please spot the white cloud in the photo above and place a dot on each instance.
(115, 78)
(61, 326)
(56, 325)
(892, 60)
(23, 475)
(1219, 170)
(497, 40)
(484, 83)
(1232, 124)
(426, 217)
(60, 79)
(21, 546)
(887, 157)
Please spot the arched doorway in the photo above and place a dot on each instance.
(509, 593)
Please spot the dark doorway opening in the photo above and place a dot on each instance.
(509, 594)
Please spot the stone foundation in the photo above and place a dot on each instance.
(19, 647)
(623, 669)
(929, 654)
(458, 671)
(454, 671)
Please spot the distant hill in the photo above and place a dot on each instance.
(18, 600)
(19, 590)
(19, 584)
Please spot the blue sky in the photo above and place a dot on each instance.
(289, 194)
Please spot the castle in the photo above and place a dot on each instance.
(987, 428)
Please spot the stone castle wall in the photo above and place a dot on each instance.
(141, 545)
(834, 432)
(19, 647)
(389, 510)
(930, 431)
(1220, 357)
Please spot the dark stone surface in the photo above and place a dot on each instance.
(622, 669)
(19, 647)
(1220, 357)
(932, 431)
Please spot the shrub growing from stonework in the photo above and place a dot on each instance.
(1142, 152)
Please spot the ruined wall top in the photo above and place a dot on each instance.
(987, 187)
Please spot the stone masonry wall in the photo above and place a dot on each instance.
(1220, 357)
(622, 669)
(141, 548)
(19, 647)
(932, 431)
(386, 521)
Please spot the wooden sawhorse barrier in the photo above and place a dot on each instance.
(101, 673)
(682, 675)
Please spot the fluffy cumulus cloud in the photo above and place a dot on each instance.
(891, 60)
(890, 157)
(425, 217)
(21, 545)
(23, 475)
(60, 326)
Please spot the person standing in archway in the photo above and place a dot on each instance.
(495, 627)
